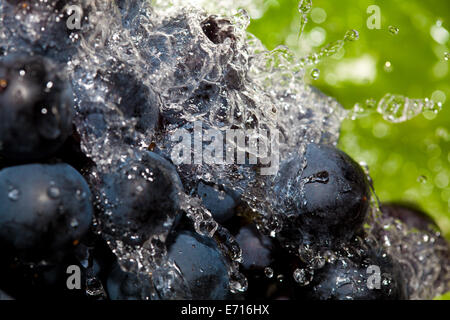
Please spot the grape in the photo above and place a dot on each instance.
(415, 241)
(256, 248)
(409, 215)
(35, 108)
(123, 285)
(39, 27)
(140, 72)
(202, 265)
(43, 208)
(140, 199)
(133, 99)
(221, 202)
(330, 198)
(258, 255)
(356, 278)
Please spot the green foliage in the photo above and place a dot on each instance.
(443, 297)
(410, 161)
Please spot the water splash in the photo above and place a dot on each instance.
(304, 8)
(329, 49)
(396, 108)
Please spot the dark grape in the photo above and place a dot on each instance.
(202, 265)
(221, 202)
(36, 108)
(410, 215)
(140, 198)
(133, 98)
(357, 278)
(334, 201)
(43, 208)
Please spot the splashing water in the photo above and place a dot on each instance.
(304, 8)
(228, 82)
(396, 108)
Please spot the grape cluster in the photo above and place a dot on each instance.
(88, 181)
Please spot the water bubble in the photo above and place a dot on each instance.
(446, 56)
(393, 30)
(303, 276)
(351, 35)
(315, 74)
(268, 272)
(397, 108)
(53, 192)
(14, 194)
(318, 262)
(306, 254)
(422, 179)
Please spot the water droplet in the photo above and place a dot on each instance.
(306, 254)
(351, 35)
(446, 56)
(14, 194)
(318, 262)
(422, 179)
(44, 111)
(398, 108)
(320, 177)
(268, 272)
(80, 195)
(431, 106)
(387, 66)
(280, 278)
(74, 223)
(304, 6)
(371, 103)
(315, 73)
(393, 30)
(53, 192)
(303, 276)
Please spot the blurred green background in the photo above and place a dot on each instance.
(408, 161)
